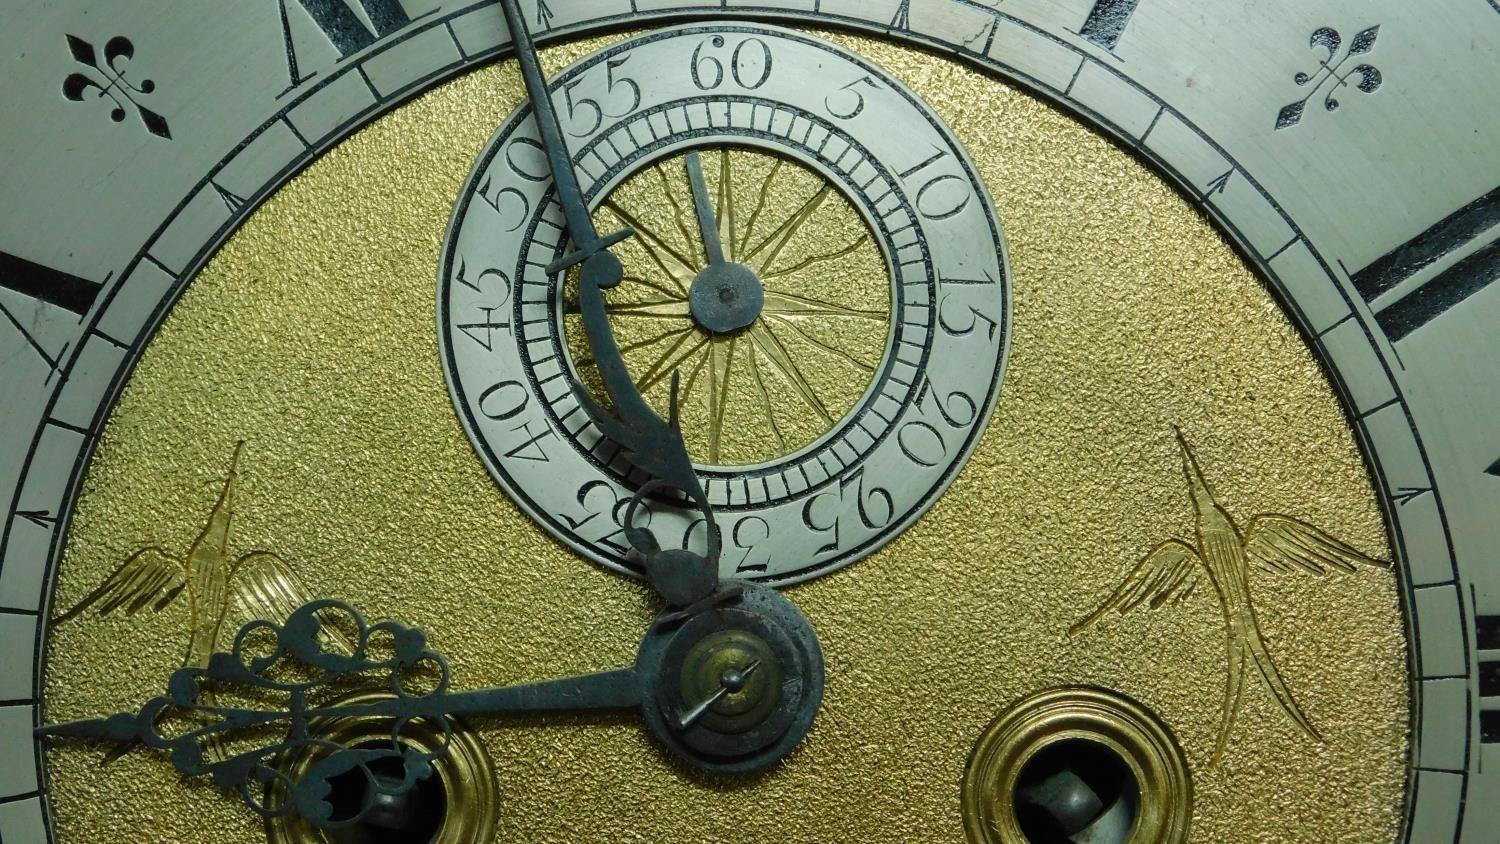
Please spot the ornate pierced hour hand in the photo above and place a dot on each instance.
(283, 681)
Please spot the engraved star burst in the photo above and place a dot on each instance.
(774, 355)
(1224, 555)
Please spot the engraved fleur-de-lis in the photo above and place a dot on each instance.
(109, 82)
(1327, 39)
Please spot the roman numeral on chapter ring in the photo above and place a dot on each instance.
(1487, 637)
(43, 284)
(341, 26)
(1454, 281)
(1107, 22)
(54, 287)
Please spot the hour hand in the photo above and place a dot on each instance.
(267, 707)
(604, 690)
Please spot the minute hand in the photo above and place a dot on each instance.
(575, 209)
(654, 446)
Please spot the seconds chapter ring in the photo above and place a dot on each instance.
(734, 90)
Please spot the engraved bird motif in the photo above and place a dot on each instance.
(1224, 553)
(258, 585)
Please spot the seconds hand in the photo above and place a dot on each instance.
(655, 447)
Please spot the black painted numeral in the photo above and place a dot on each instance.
(1487, 638)
(749, 66)
(1489, 726)
(531, 444)
(343, 29)
(598, 498)
(748, 535)
(1107, 21)
(54, 287)
(1451, 286)
(45, 284)
(902, 18)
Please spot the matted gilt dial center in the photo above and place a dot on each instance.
(726, 298)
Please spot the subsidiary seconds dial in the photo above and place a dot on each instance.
(817, 269)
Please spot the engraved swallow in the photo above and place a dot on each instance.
(1277, 544)
(258, 585)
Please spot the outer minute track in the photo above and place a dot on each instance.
(1380, 243)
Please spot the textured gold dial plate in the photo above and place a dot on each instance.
(310, 337)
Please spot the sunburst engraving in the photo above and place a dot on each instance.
(1224, 555)
(772, 388)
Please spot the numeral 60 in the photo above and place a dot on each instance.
(708, 70)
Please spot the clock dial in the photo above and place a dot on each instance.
(1152, 425)
(858, 303)
(929, 639)
(829, 300)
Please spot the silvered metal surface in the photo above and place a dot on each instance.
(1321, 207)
(884, 463)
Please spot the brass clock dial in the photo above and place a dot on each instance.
(1135, 355)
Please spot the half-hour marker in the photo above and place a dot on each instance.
(1407, 494)
(1107, 21)
(233, 201)
(40, 518)
(1451, 286)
